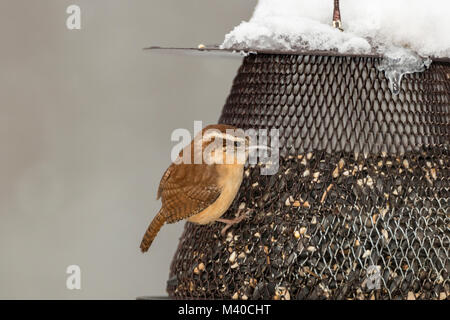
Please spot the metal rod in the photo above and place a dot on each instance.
(337, 16)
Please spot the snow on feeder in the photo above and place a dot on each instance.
(359, 208)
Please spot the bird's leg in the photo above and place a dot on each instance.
(230, 222)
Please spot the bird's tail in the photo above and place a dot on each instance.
(152, 230)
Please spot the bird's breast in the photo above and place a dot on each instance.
(229, 179)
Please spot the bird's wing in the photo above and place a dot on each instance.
(163, 181)
(188, 189)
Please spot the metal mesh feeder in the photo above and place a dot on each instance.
(359, 208)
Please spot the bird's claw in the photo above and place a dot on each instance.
(230, 222)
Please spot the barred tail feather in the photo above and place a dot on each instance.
(152, 231)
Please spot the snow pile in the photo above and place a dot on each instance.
(370, 26)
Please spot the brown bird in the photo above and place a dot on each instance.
(202, 192)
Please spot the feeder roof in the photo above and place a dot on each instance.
(216, 50)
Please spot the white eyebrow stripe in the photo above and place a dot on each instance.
(223, 136)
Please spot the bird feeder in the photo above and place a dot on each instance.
(359, 207)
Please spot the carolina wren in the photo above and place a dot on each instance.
(201, 192)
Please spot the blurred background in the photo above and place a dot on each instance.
(85, 123)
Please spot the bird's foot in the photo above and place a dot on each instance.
(230, 222)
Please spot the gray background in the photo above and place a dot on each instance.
(85, 124)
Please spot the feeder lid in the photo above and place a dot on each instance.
(215, 50)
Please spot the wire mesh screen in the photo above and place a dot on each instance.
(359, 208)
